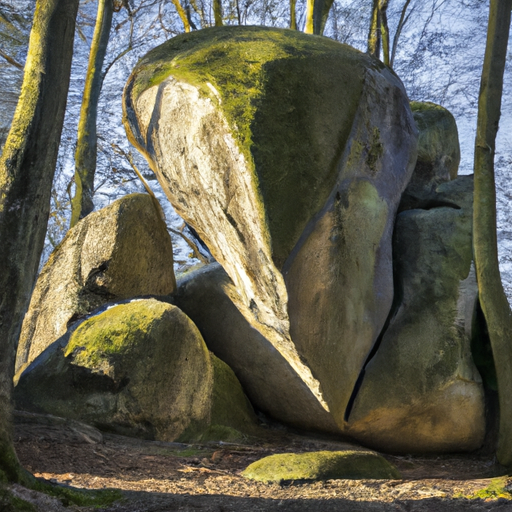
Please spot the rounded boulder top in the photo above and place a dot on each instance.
(289, 100)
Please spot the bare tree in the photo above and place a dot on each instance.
(27, 166)
(86, 147)
(493, 300)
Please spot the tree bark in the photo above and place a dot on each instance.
(317, 12)
(182, 14)
(384, 30)
(217, 13)
(309, 26)
(87, 140)
(27, 167)
(401, 22)
(374, 32)
(293, 18)
(322, 8)
(492, 296)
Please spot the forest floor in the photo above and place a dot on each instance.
(156, 477)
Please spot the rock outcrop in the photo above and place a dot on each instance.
(269, 381)
(288, 154)
(139, 369)
(438, 153)
(421, 391)
(119, 252)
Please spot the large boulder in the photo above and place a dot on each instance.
(288, 154)
(119, 252)
(139, 369)
(271, 384)
(421, 392)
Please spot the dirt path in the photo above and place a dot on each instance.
(158, 477)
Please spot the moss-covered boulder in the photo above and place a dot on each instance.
(288, 154)
(438, 153)
(421, 392)
(121, 251)
(139, 369)
(313, 466)
(269, 381)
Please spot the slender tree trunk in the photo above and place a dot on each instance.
(87, 141)
(401, 22)
(492, 296)
(217, 12)
(238, 14)
(317, 12)
(383, 13)
(374, 32)
(199, 12)
(182, 14)
(322, 8)
(27, 167)
(293, 18)
(310, 7)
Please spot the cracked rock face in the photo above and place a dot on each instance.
(288, 155)
(421, 392)
(119, 252)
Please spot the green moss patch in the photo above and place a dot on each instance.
(231, 417)
(438, 143)
(80, 497)
(11, 503)
(289, 467)
(114, 332)
(498, 488)
(289, 99)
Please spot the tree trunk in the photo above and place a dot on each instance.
(181, 13)
(199, 12)
(374, 32)
(384, 30)
(293, 18)
(492, 296)
(87, 141)
(27, 167)
(317, 12)
(217, 12)
(309, 26)
(401, 22)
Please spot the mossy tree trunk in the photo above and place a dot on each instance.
(27, 167)
(217, 13)
(492, 296)
(87, 141)
(317, 12)
(293, 17)
(374, 38)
